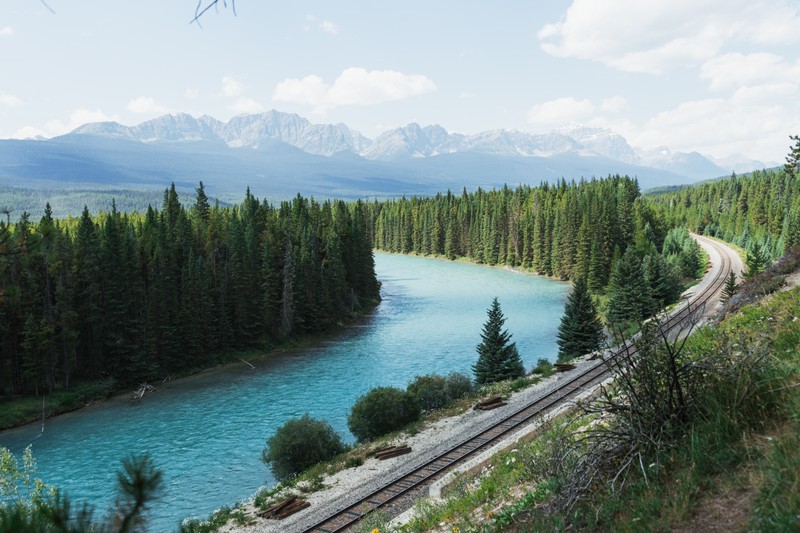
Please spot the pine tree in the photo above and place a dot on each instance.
(497, 359)
(201, 205)
(730, 287)
(580, 331)
(756, 261)
(629, 294)
(793, 159)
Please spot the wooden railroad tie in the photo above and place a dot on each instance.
(391, 451)
(287, 507)
(564, 367)
(491, 403)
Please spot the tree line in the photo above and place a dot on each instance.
(760, 209)
(601, 231)
(132, 296)
(566, 230)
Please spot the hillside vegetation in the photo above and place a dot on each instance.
(726, 458)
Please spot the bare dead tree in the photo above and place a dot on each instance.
(204, 6)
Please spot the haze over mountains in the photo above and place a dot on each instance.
(278, 155)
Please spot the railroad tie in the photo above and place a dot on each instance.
(287, 507)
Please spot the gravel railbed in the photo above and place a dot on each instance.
(351, 484)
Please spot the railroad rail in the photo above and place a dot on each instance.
(421, 476)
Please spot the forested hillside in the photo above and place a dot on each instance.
(138, 296)
(761, 208)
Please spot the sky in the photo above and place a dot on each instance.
(716, 76)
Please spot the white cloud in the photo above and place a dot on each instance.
(246, 105)
(652, 36)
(9, 100)
(6, 31)
(28, 132)
(311, 90)
(231, 87)
(559, 112)
(52, 128)
(146, 104)
(354, 86)
(77, 117)
(735, 70)
(325, 25)
(191, 93)
(758, 127)
(329, 27)
(614, 104)
(770, 92)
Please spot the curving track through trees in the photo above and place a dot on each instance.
(400, 492)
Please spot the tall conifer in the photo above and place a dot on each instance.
(581, 331)
(498, 358)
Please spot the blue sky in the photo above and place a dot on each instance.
(717, 76)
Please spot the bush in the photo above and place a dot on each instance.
(458, 386)
(429, 392)
(380, 411)
(543, 366)
(300, 444)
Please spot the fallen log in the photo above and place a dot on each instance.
(281, 510)
(564, 367)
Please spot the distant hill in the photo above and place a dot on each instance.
(278, 155)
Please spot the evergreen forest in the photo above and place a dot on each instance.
(758, 209)
(139, 296)
(133, 297)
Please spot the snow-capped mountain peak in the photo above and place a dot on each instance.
(262, 130)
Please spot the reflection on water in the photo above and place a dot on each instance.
(207, 432)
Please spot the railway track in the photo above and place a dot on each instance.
(405, 487)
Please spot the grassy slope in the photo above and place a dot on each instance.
(729, 476)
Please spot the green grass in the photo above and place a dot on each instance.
(746, 440)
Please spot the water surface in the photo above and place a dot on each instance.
(206, 432)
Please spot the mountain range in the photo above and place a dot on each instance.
(278, 155)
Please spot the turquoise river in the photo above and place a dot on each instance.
(206, 432)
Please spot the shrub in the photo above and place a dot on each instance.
(543, 366)
(458, 386)
(429, 392)
(299, 444)
(380, 411)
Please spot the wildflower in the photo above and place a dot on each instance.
(376, 530)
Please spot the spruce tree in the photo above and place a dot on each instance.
(629, 293)
(730, 287)
(201, 205)
(757, 261)
(580, 331)
(498, 359)
(793, 159)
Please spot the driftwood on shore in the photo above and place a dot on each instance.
(491, 403)
(287, 507)
(143, 389)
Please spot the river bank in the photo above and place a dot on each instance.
(19, 412)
